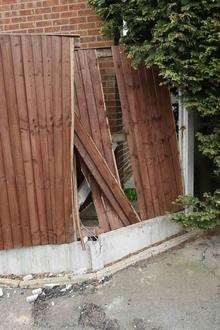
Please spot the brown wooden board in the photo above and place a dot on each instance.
(103, 175)
(151, 136)
(36, 120)
(91, 109)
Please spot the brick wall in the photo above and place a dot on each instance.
(48, 16)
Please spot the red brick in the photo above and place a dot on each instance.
(36, 30)
(94, 32)
(88, 39)
(4, 8)
(11, 27)
(25, 12)
(92, 18)
(77, 6)
(42, 10)
(83, 26)
(51, 16)
(71, 27)
(26, 25)
(18, 19)
(68, 14)
(50, 3)
(60, 8)
(85, 12)
(77, 20)
(34, 18)
(43, 23)
(18, 6)
(10, 14)
(61, 21)
(52, 29)
(82, 32)
(7, 1)
(5, 21)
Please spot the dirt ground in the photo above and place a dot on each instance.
(179, 290)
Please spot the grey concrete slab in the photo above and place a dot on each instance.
(178, 290)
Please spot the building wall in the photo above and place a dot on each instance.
(48, 16)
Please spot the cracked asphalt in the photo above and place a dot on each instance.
(178, 290)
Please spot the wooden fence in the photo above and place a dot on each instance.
(38, 190)
(35, 140)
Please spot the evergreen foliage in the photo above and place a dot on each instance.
(182, 39)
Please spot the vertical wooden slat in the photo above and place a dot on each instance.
(58, 136)
(30, 86)
(8, 127)
(47, 66)
(25, 139)
(42, 121)
(67, 90)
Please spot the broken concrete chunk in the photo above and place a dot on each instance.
(85, 239)
(37, 291)
(28, 277)
(32, 298)
(1, 293)
(50, 285)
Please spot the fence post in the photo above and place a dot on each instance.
(186, 145)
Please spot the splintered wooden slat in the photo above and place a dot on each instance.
(101, 111)
(91, 109)
(8, 128)
(103, 175)
(47, 65)
(151, 136)
(28, 64)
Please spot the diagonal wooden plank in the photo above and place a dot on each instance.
(103, 175)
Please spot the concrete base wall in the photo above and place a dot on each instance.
(108, 249)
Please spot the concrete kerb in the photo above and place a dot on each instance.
(106, 271)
